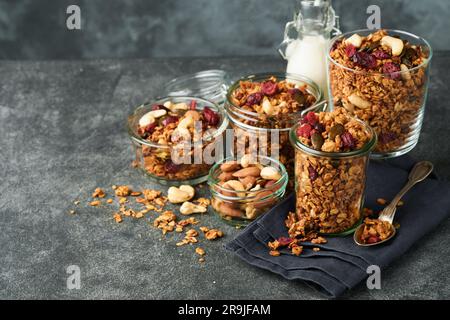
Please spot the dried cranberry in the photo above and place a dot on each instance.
(168, 120)
(364, 60)
(171, 167)
(150, 128)
(284, 241)
(386, 137)
(269, 88)
(311, 118)
(380, 55)
(350, 50)
(347, 140)
(373, 239)
(254, 98)
(313, 175)
(304, 130)
(193, 105)
(211, 117)
(392, 70)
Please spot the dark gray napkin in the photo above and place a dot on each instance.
(340, 264)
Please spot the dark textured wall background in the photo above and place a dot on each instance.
(36, 29)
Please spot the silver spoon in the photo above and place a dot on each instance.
(420, 171)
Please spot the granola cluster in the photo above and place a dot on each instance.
(384, 84)
(271, 104)
(169, 126)
(243, 190)
(375, 230)
(329, 189)
(152, 201)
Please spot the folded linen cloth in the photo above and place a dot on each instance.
(341, 264)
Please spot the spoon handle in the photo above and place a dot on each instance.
(419, 172)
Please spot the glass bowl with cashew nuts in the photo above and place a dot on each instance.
(244, 188)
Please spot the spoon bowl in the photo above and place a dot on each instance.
(359, 231)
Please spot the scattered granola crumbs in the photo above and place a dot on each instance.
(213, 234)
(109, 201)
(381, 201)
(76, 202)
(98, 193)
(201, 260)
(139, 215)
(274, 253)
(319, 240)
(316, 249)
(95, 203)
(200, 251)
(135, 193)
(72, 211)
(134, 164)
(151, 195)
(179, 229)
(274, 245)
(122, 191)
(117, 217)
(203, 202)
(114, 187)
(192, 233)
(204, 229)
(123, 200)
(297, 250)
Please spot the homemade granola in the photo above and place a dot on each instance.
(331, 157)
(382, 80)
(176, 134)
(375, 230)
(243, 190)
(265, 105)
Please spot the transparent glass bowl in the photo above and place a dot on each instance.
(156, 159)
(252, 134)
(397, 105)
(245, 206)
(330, 186)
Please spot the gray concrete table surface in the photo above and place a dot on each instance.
(62, 134)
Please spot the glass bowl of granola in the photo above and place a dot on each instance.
(263, 107)
(244, 189)
(177, 139)
(382, 78)
(331, 157)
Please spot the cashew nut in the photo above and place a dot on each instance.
(355, 40)
(187, 122)
(270, 173)
(250, 212)
(395, 44)
(181, 194)
(358, 101)
(190, 208)
(180, 134)
(179, 106)
(406, 75)
(146, 119)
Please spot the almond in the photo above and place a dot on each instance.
(229, 166)
(250, 171)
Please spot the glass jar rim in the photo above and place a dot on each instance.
(367, 148)
(344, 35)
(210, 137)
(279, 75)
(217, 80)
(282, 182)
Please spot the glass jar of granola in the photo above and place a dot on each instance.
(177, 139)
(382, 78)
(243, 189)
(331, 156)
(262, 108)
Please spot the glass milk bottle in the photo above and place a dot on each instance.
(306, 40)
